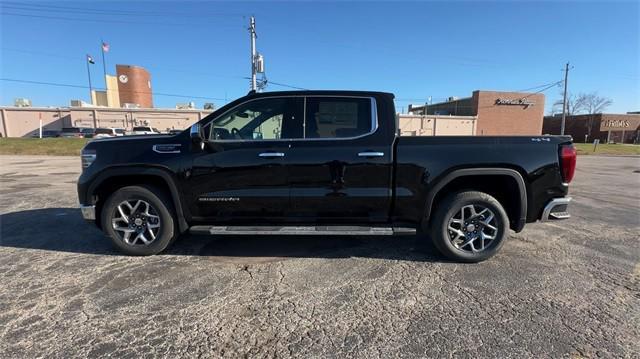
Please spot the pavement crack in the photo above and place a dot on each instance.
(246, 268)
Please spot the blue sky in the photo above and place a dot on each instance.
(413, 49)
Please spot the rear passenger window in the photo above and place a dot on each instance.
(337, 117)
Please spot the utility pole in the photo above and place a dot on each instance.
(564, 101)
(252, 33)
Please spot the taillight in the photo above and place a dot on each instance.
(567, 162)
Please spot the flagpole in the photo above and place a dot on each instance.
(104, 64)
(90, 87)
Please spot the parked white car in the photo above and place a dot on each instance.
(108, 132)
(144, 130)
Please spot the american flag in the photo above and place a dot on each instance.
(105, 47)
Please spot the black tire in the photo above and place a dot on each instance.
(450, 242)
(161, 207)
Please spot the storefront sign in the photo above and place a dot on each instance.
(616, 123)
(515, 102)
(628, 122)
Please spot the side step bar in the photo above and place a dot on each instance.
(302, 230)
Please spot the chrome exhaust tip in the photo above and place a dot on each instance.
(556, 209)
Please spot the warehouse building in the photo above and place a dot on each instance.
(496, 113)
(436, 125)
(25, 121)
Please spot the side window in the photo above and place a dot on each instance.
(337, 117)
(262, 119)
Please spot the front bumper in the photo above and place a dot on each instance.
(556, 209)
(88, 212)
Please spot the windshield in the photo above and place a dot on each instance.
(142, 129)
(71, 129)
(103, 131)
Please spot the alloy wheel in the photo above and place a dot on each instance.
(473, 228)
(136, 222)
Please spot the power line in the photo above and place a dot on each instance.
(285, 85)
(280, 84)
(537, 87)
(103, 89)
(545, 89)
(69, 9)
(40, 53)
(99, 61)
(97, 20)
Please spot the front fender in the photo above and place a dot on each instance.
(87, 187)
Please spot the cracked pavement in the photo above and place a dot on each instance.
(563, 289)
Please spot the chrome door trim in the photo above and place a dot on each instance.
(374, 120)
(271, 154)
(371, 154)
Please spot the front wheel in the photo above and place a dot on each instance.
(139, 220)
(469, 226)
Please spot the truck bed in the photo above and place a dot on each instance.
(423, 161)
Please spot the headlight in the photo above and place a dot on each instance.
(87, 156)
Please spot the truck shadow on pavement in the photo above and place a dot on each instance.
(64, 230)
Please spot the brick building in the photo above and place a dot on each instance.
(497, 113)
(134, 86)
(619, 128)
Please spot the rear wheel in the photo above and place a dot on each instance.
(139, 220)
(469, 226)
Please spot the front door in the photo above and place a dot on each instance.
(241, 175)
(341, 170)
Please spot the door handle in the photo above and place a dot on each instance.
(370, 154)
(271, 154)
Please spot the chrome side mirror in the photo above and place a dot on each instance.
(197, 139)
(196, 133)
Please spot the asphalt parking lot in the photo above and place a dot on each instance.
(556, 289)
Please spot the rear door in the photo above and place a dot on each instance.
(340, 171)
(241, 176)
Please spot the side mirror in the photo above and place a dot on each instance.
(196, 134)
(197, 139)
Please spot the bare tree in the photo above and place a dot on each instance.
(584, 103)
(593, 104)
(574, 105)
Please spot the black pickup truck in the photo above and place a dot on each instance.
(322, 162)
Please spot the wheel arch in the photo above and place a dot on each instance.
(110, 180)
(461, 179)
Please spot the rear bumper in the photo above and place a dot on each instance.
(88, 212)
(557, 208)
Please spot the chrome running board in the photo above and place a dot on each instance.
(302, 230)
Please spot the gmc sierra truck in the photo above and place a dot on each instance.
(322, 162)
